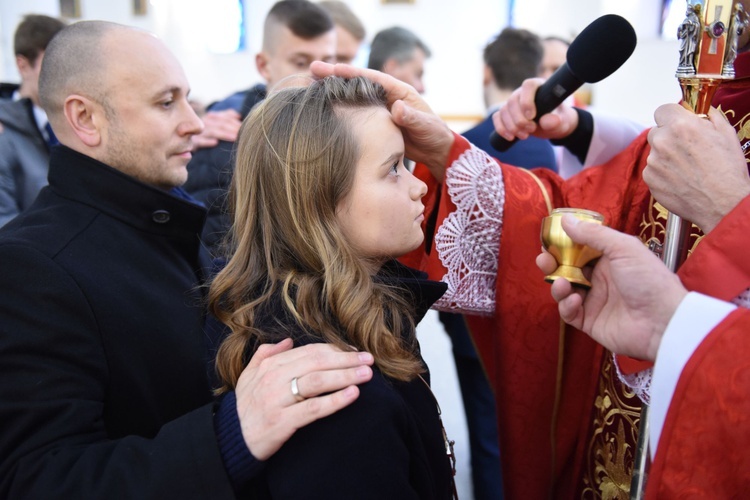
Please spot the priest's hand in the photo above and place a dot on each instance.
(325, 377)
(632, 298)
(427, 138)
(696, 167)
(516, 118)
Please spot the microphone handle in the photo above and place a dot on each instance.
(550, 95)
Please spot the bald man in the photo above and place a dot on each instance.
(106, 386)
(295, 33)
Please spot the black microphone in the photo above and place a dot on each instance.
(601, 48)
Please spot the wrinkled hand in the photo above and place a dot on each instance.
(268, 412)
(427, 138)
(516, 118)
(696, 167)
(218, 126)
(632, 298)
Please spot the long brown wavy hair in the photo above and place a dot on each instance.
(296, 160)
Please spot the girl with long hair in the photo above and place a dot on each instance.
(322, 205)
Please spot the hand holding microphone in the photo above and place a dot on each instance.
(601, 48)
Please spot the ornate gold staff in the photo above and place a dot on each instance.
(708, 47)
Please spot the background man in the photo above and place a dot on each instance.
(107, 369)
(350, 32)
(400, 53)
(555, 55)
(511, 58)
(25, 134)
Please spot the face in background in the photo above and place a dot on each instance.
(410, 71)
(148, 121)
(347, 46)
(555, 52)
(382, 215)
(30, 76)
(292, 55)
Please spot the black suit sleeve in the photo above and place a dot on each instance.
(53, 438)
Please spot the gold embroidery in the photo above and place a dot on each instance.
(610, 453)
(742, 126)
(653, 226)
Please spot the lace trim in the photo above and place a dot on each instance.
(743, 299)
(640, 382)
(468, 240)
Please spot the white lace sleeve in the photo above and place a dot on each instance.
(468, 241)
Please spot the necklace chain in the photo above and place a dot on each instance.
(449, 451)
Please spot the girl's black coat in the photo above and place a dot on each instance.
(387, 444)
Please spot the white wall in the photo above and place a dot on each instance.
(455, 31)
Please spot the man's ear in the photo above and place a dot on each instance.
(23, 64)
(487, 78)
(85, 117)
(261, 64)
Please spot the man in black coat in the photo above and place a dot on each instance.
(105, 389)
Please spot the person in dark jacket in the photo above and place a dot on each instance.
(25, 133)
(295, 33)
(106, 389)
(322, 204)
(512, 57)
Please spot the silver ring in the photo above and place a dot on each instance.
(295, 391)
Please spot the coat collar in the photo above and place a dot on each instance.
(83, 179)
(423, 291)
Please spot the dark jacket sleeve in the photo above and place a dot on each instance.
(9, 172)
(54, 441)
(209, 177)
(359, 452)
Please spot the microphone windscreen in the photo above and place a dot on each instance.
(601, 48)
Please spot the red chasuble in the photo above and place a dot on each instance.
(567, 425)
(703, 449)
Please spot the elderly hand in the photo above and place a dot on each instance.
(632, 298)
(516, 118)
(326, 380)
(427, 138)
(696, 167)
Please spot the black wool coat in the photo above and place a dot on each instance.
(104, 390)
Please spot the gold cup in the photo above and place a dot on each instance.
(570, 256)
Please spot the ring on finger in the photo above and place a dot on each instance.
(295, 391)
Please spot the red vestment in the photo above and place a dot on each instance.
(591, 417)
(703, 449)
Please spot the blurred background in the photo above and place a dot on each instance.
(216, 41)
